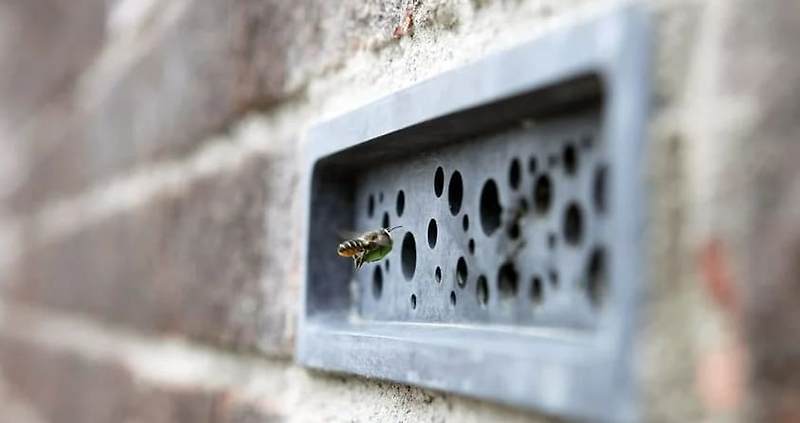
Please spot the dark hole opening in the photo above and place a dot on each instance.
(461, 272)
(438, 182)
(507, 281)
(408, 256)
(465, 223)
(433, 233)
(455, 193)
(542, 194)
(537, 290)
(386, 223)
(377, 283)
(371, 205)
(482, 291)
(573, 224)
(599, 189)
(490, 208)
(471, 246)
(532, 165)
(514, 174)
(401, 203)
(570, 157)
(413, 301)
(438, 274)
(597, 277)
(453, 298)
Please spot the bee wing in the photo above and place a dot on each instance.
(345, 234)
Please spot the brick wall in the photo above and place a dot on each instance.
(149, 168)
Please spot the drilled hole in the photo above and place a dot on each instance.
(597, 278)
(599, 189)
(380, 197)
(386, 223)
(482, 291)
(490, 208)
(455, 193)
(461, 272)
(433, 233)
(377, 283)
(514, 231)
(532, 165)
(401, 203)
(570, 157)
(438, 274)
(438, 182)
(537, 290)
(413, 301)
(386, 264)
(465, 223)
(573, 224)
(553, 276)
(514, 174)
(551, 241)
(507, 281)
(542, 194)
(371, 205)
(471, 246)
(408, 256)
(453, 298)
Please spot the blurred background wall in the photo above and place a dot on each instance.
(149, 206)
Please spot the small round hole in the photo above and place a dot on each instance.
(553, 275)
(438, 182)
(408, 256)
(490, 209)
(371, 205)
(401, 203)
(597, 278)
(570, 157)
(532, 165)
(386, 264)
(537, 290)
(386, 223)
(507, 281)
(380, 197)
(551, 241)
(599, 189)
(433, 233)
(413, 301)
(514, 231)
(482, 291)
(542, 194)
(377, 283)
(455, 193)
(461, 272)
(465, 223)
(514, 174)
(438, 274)
(453, 298)
(471, 246)
(573, 224)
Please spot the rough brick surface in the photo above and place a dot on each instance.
(63, 387)
(189, 262)
(217, 60)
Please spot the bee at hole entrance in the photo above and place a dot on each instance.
(368, 247)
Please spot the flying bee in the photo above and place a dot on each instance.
(368, 247)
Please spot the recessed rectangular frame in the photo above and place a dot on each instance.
(590, 379)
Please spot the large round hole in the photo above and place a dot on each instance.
(514, 174)
(377, 283)
(471, 246)
(371, 205)
(570, 157)
(597, 277)
(573, 224)
(455, 193)
(453, 298)
(408, 256)
(438, 182)
(461, 272)
(507, 281)
(542, 194)
(490, 209)
(438, 274)
(537, 290)
(482, 291)
(413, 301)
(433, 233)
(386, 223)
(465, 223)
(401, 203)
(599, 189)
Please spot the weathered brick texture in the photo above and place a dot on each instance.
(190, 262)
(64, 387)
